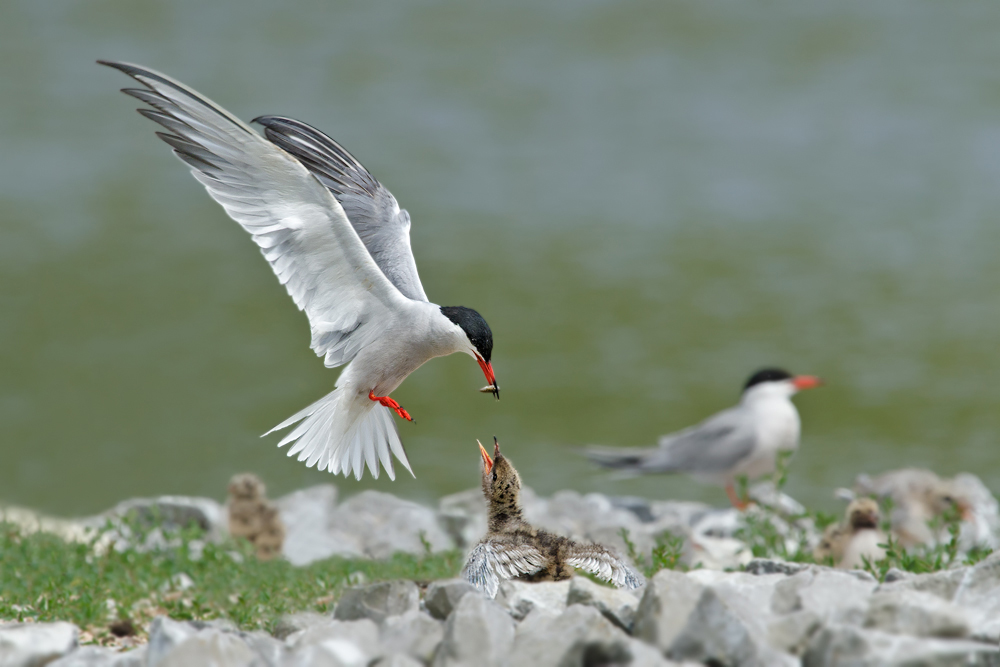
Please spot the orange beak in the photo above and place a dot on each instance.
(492, 387)
(487, 461)
(806, 382)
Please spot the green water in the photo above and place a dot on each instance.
(646, 200)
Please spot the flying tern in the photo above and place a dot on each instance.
(339, 243)
(743, 441)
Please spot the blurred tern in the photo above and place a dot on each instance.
(339, 243)
(742, 441)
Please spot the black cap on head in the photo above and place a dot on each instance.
(767, 375)
(474, 326)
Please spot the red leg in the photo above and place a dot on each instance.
(389, 403)
(739, 503)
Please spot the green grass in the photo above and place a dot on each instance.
(43, 578)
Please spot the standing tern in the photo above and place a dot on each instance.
(743, 441)
(339, 243)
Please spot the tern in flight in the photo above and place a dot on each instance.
(339, 243)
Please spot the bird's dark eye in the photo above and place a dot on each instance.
(949, 499)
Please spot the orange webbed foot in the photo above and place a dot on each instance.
(390, 403)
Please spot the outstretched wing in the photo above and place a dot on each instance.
(492, 561)
(603, 563)
(382, 225)
(300, 227)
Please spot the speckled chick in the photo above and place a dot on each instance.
(856, 538)
(514, 549)
(919, 497)
(253, 517)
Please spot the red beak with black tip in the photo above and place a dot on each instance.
(806, 382)
(492, 387)
(487, 461)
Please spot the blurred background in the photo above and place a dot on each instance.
(646, 200)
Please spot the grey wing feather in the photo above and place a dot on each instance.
(603, 563)
(373, 211)
(492, 561)
(301, 229)
(716, 444)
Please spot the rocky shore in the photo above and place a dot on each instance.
(759, 612)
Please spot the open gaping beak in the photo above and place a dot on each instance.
(487, 461)
(806, 382)
(492, 387)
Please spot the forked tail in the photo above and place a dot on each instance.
(342, 432)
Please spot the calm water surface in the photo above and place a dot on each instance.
(646, 200)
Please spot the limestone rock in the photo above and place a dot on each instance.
(378, 601)
(397, 660)
(479, 632)
(307, 515)
(414, 633)
(85, 656)
(545, 638)
(914, 613)
(335, 642)
(170, 512)
(618, 606)
(387, 525)
(291, 623)
(840, 645)
(443, 596)
(979, 596)
(520, 598)
(35, 644)
(207, 647)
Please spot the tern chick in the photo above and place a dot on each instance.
(848, 544)
(514, 549)
(743, 441)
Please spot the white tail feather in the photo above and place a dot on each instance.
(343, 432)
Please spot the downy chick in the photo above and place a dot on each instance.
(514, 549)
(253, 516)
(857, 538)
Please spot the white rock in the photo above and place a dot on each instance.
(442, 596)
(291, 624)
(308, 515)
(85, 656)
(415, 633)
(31, 644)
(520, 598)
(546, 639)
(914, 613)
(840, 645)
(363, 634)
(397, 660)
(979, 596)
(479, 632)
(378, 601)
(691, 621)
(387, 525)
(208, 647)
(618, 606)
(833, 595)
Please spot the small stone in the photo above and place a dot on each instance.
(415, 633)
(442, 596)
(31, 644)
(914, 613)
(520, 598)
(378, 601)
(478, 632)
(616, 605)
(767, 566)
(895, 574)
